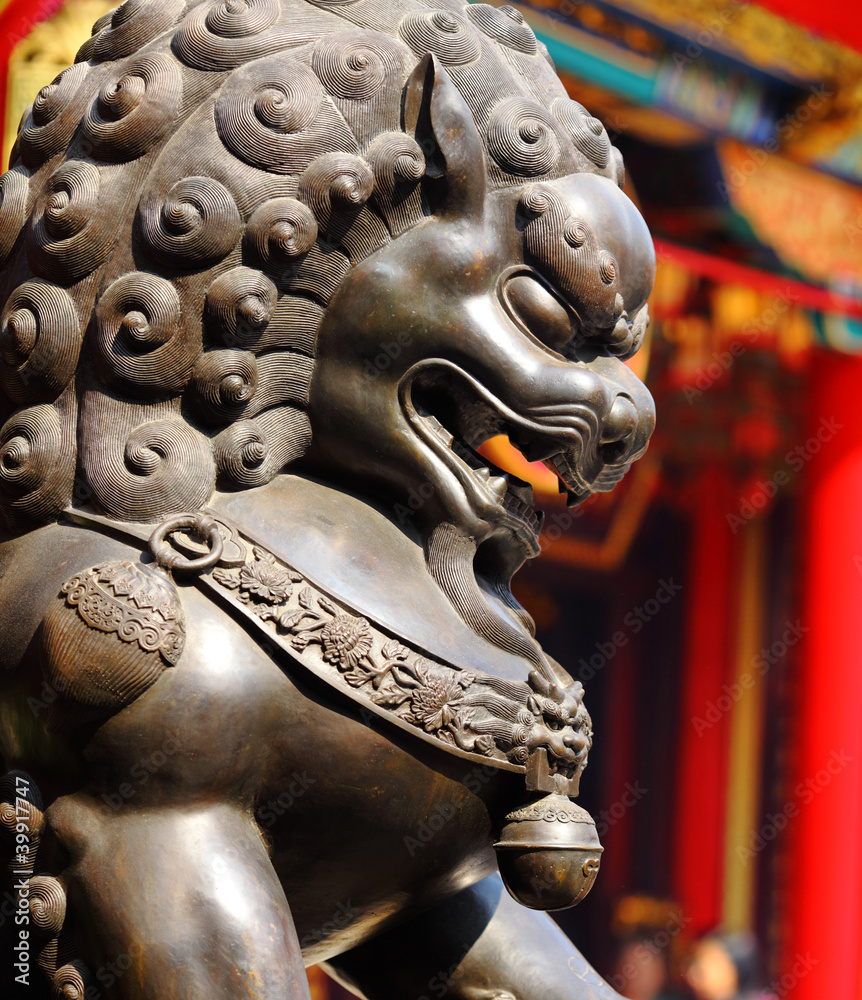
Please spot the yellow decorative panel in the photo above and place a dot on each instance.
(812, 221)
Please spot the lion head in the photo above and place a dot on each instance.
(222, 216)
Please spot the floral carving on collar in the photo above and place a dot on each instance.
(475, 712)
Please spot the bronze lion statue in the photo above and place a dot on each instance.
(273, 272)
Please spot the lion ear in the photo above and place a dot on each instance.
(437, 114)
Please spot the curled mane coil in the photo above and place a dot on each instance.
(37, 467)
(224, 34)
(194, 225)
(14, 188)
(355, 64)
(522, 137)
(160, 467)
(608, 268)
(536, 200)
(141, 343)
(444, 33)
(232, 19)
(53, 119)
(396, 158)
(504, 24)
(223, 384)
(133, 24)
(281, 230)
(229, 385)
(277, 117)
(587, 133)
(40, 340)
(72, 982)
(335, 187)
(134, 109)
(398, 164)
(47, 903)
(239, 305)
(85, 53)
(250, 452)
(70, 234)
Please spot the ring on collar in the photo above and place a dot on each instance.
(203, 527)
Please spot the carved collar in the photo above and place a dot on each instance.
(533, 726)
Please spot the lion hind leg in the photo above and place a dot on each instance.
(477, 945)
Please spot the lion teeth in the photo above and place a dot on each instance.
(440, 430)
(522, 511)
(484, 474)
(498, 487)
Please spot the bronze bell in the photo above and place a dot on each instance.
(549, 853)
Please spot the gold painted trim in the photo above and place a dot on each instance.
(747, 692)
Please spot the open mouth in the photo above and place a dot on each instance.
(455, 415)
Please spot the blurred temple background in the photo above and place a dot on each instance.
(711, 604)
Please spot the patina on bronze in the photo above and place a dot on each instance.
(274, 270)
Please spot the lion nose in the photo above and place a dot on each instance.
(576, 742)
(619, 430)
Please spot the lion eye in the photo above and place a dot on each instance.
(537, 308)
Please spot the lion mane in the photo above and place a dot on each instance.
(185, 201)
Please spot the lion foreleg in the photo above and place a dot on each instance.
(177, 903)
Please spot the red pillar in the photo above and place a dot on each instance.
(698, 835)
(825, 862)
(617, 831)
